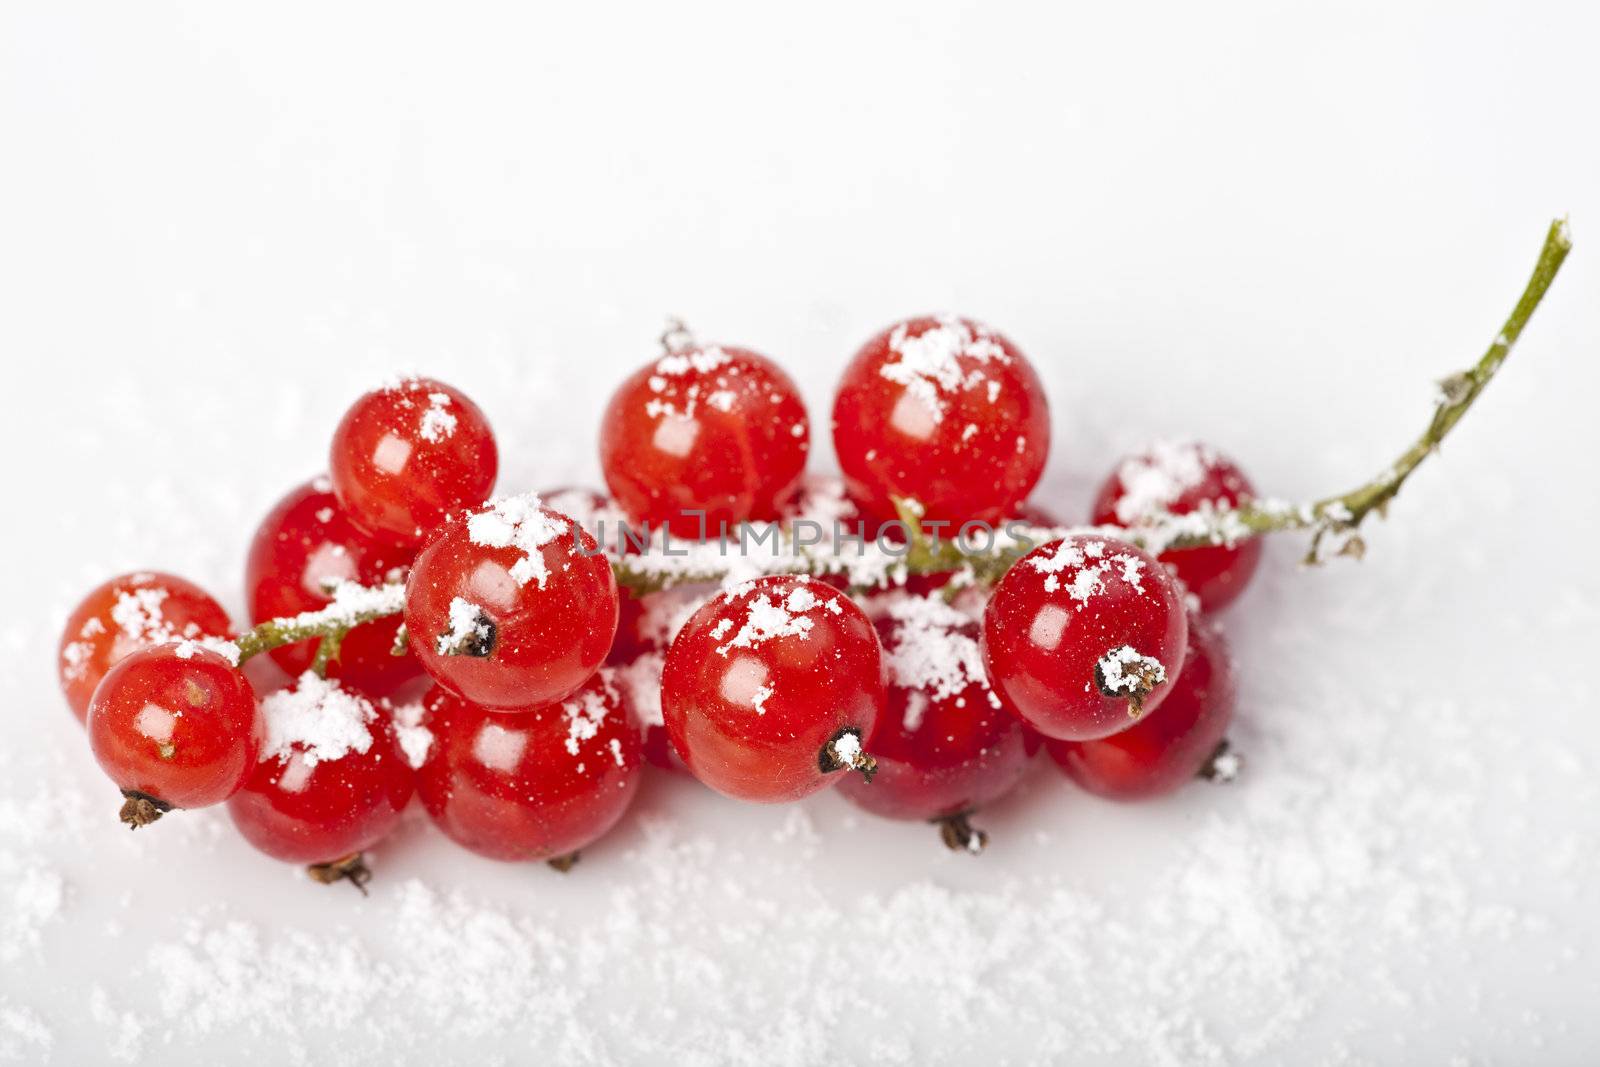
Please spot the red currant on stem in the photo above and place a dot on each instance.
(331, 780)
(944, 744)
(943, 411)
(1180, 740)
(536, 784)
(301, 551)
(599, 516)
(771, 687)
(512, 606)
(1180, 478)
(1083, 635)
(123, 615)
(705, 429)
(174, 726)
(406, 456)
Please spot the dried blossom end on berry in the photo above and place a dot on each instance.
(141, 809)
(959, 835)
(471, 632)
(352, 868)
(844, 752)
(1125, 672)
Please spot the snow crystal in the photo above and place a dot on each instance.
(586, 710)
(518, 522)
(765, 619)
(1154, 480)
(1086, 563)
(438, 421)
(932, 652)
(316, 718)
(702, 360)
(930, 365)
(22, 1033)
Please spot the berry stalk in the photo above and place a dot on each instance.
(870, 564)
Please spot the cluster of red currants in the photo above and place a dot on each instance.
(550, 686)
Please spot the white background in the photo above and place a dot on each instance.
(1267, 225)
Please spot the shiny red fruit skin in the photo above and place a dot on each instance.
(156, 608)
(965, 752)
(1169, 747)
(549, 639)
(399, 471)
(600, 517)
(183, 729)
(715, 429)
(1217, 575)
(1041, 643)
(509, 787)
(305, 541)
(303, 812)
(822, 682)
(976, 459)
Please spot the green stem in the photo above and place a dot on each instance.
(352, 605)
(876, 564)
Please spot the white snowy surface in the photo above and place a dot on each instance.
(1265, 227)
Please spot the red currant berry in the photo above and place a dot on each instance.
(1163, 750)
(1181, 478)
(174, 726)
(945, 745)
(596, 514)
(331, 780)
(641, 679)
(535, 784)
(408, 455)
(302, 550)
(1083, 635)
(771, 687)
(512, 606)
(945, 412)
(716, 430)
(128, 613)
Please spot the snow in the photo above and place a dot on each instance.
(1403, 872)
(933, 652)
(414, 737)
(1153, 480)
(763, 616)
(467, 624)
(940, 360)
(317, 720)
(1127, 670)
(519, 522)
